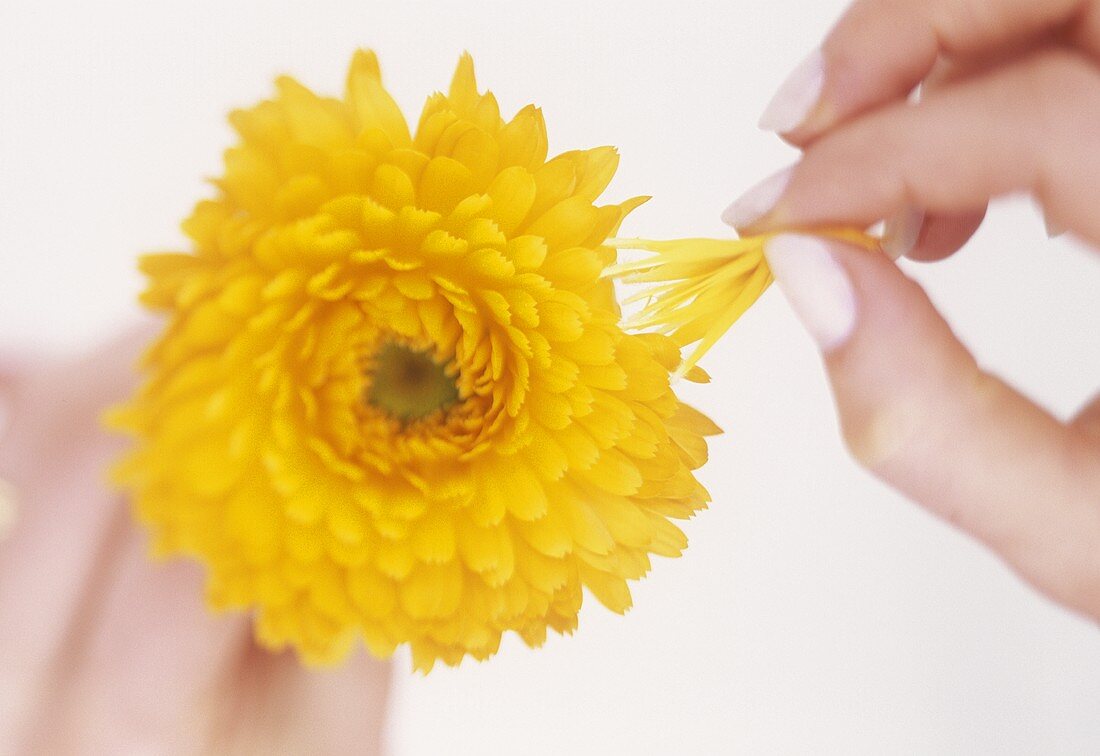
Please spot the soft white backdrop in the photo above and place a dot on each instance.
(815, 610)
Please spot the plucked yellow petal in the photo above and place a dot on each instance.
(696, 289)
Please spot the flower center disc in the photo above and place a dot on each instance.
(409, 385)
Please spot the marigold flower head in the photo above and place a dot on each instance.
(393, 399)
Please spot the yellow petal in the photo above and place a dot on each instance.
(611, 590)
(313, 121)
(433, 537)
(371, 103)
(432, 590)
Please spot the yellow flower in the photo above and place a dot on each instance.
(393, 399)
(696, 289)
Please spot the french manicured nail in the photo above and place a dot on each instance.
(797, 97)
(758, 201)
(902, 232)
(816, 285)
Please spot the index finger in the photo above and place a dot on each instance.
(953, 152)
(881, 49)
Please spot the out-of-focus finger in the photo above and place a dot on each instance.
(881, 49)
(145, 660)
(56, 547)
(941, 236)
(918, 412)
(283, 707)
(54, 456)
(1088, 419)
(1028, 127)
(913, 233)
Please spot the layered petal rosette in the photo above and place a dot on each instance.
(393, 399)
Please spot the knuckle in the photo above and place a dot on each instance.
(881, 432)
(1062, 90)
(1071, 578)
(1068, 64)
(1087, 425)
(1084, 594)
(1060, 79)
(860, 29)
(920, 417)
(1072, 562)
(959, 23)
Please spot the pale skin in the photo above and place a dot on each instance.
(100, 648)
(1010, 103)
(103, 651)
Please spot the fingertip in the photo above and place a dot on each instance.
(759, 203)
(943, 235)
(917, 412)
(816, 285)
(837, 82)
(797, 98)
(897, 369)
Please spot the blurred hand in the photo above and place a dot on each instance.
(104, 652)
(1010, 102)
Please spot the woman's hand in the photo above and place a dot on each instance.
(102, 651)
(1010, 102)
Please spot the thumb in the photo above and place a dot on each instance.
(917, 411)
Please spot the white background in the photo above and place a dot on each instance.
(815, 610)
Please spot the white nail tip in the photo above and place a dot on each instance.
(902, 232)
(797, 97)
(758, 201)
(816, 285)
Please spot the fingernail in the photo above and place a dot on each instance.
(797, 97)
(902, 232)
(758, 201)
(816, 285)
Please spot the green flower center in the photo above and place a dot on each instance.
(409, 385)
